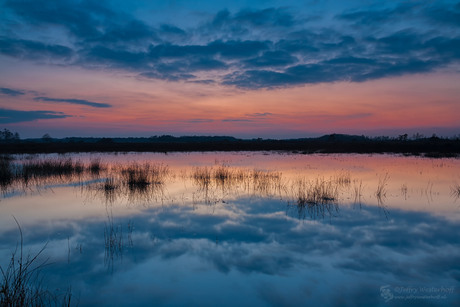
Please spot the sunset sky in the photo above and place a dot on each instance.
(270, 69)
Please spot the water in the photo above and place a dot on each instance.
(253, 229)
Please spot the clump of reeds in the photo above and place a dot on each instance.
(109, 188)
(222, 174)
(50, 168)
(6, 174)
(109, 185)
(202, 176)
(158, 173)
(266, 182)
(317, 198)
(343, 178)
(256, 181)
(358, 192)
(95, 166)
(144, 182)
(21, 283)
(381, 191)
(135, 176)
(455, 190)
(113, 238)
(404, 190)
(139, 176)
(318, 192)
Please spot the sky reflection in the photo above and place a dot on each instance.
(186, 250)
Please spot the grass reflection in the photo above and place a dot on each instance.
(455, 191)
(317, 199)
(150, 184)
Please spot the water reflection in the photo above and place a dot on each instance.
(214, 233)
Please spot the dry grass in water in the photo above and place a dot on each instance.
(358, 192)
(455, 190)
(318, 198)
(21, 283)
(6, 174)
(381, 191)
(343, 179)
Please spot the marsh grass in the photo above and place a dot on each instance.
(117, 240)
(318, 198)
(22, 281)
(52, 167)
(267, 183)
(6, 173)
(31, 171)
(455, 190)
(404, 190)
(109, 189)
(144, 182)
(357, 192)
(136, 183)
(113, 241)
(39, 171)
(202, 176)
(381, 192)
(343, 178)
(139, 176)
(215, 183)
(95, 166)
(316, 192)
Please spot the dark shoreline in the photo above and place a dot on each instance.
(334, 143)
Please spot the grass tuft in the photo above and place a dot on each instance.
(21, 283)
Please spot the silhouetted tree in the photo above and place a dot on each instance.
(46, 137)
(403, 137)
(7, 135)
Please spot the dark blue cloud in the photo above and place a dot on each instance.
(172, 30)
(11, 92)
(9, 116)
(266, 17)
(228, 49)
(249, 48)
(368, 17)
(205, 81)
(448, 16)
(102, 56)
(272, 59)
(133, 31)
(167, 76)
(261, 115)
(237, 120)
(200, 120)
(81, 18)
(270, 17)
(75, 101)
(28, 49)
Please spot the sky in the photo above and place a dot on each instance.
(249, 69)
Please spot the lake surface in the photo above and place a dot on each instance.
(250, 229)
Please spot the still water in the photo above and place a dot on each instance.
(249, 229)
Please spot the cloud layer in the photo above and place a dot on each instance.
(9, 116)
(246, 48)
(74, 101)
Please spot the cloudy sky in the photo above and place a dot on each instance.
(245, 68)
